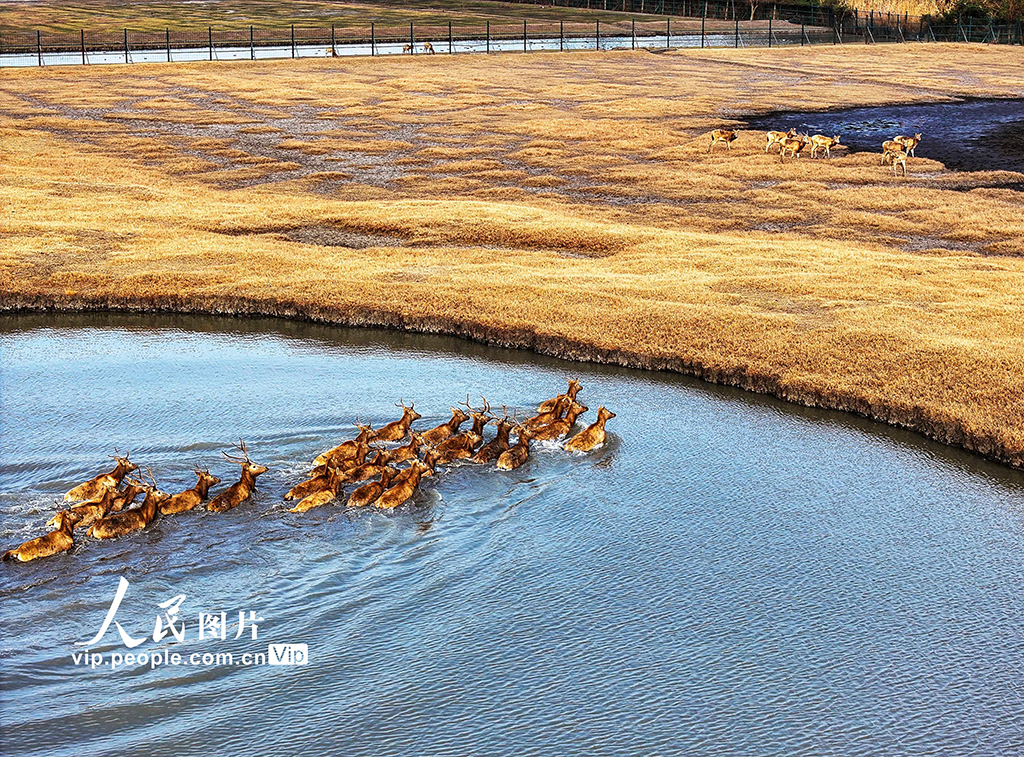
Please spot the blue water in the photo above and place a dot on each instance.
(729, 575)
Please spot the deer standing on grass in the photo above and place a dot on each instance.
(516, 455)
(722, 136)
(793, 145)
(438, 434)
(403, 486)
(322, 496)
(188, 499)
(58, 540)
(897, 158)
(548, 405)
(776, 137)
(496, 446)
(821, 142)
(559, 429)
(909, 144)
(396, 431)
(593, 435)
(88, 512)
(242, 489)
(346, 450)
(369, 493)
(890, 146)
(135, 519)
(93, 488)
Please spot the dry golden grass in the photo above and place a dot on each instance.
(560, 202)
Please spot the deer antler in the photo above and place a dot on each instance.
(152, 478)
(487, 405)
(244, 450)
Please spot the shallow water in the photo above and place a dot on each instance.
(970, 135)
(731, 575)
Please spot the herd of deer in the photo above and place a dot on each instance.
(103, 502)
(894, 151)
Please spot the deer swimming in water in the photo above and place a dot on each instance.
(560, 428)
(188, 499)
(135, 519)
(548, 405)
(403, 486)
(58, 540)
(401, 454)
(396, 431)
(517, 454)
(369, 493)
(87, 512)
(453, 448)
(241, 490)
(346, 450)
(124, 497)
(500, 443)
(438, 434)
(93, 488)
(323, 495)
(593, 435)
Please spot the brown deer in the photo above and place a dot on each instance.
(428, 48)
(493, 449)
(87, 512)
(438, 434)
(93, 488)
(480, 417)
(453, 448)
(548, 405)
(516, 455)
(593, 435)
(242, 489)
(793, 145)
(369, 493)
(124, 497)
(188, 499)
(407, 48)
(135, 519)
(366, 471)
(401, 454)
(559, 429)
(909, 143)
(775, 138)
(58, 540)
(820, 142)
(543, 419)
(396, 431)
(403, 486)
(360, 457)
(723, 136)
(322, 496)
(346, 450)
(897, 158)
(889, 146)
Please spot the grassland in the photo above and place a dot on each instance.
(562, 203)
(58, 16)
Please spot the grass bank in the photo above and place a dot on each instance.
(562, 203)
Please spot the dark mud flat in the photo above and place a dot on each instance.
(730, 575)
(970, 135)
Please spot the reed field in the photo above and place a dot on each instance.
(564, 203)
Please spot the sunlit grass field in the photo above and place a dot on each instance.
(562, 202)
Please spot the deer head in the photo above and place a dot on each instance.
(409, 413)
(248, 466)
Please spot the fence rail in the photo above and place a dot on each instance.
(711, 24)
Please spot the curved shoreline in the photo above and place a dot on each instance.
(917, 419)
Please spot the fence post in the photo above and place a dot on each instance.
(126, 60)
(412, 40)
(252, 44)
(83, 47)
(668, 33)
(210, 29)
(524, 35)
(39, 46)
(334, 43)
(770, 32)
(450, 38)
(737, 43)
(488, 36)
(561, 36)
(632, 37)
(293, 40)
(703, 16)
(373, 40)
(803, 34)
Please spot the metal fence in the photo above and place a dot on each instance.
(714, 24)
